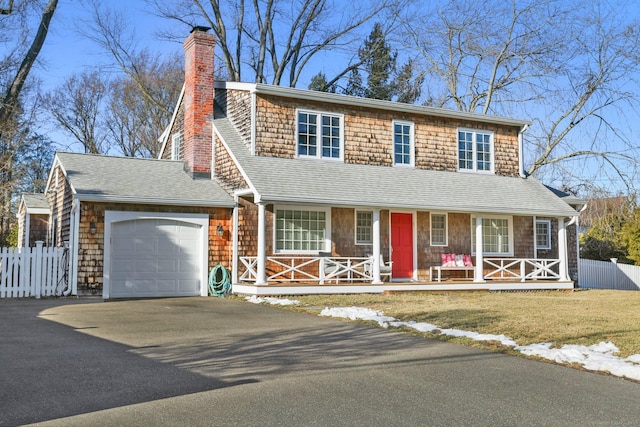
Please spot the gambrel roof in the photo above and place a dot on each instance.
(280, 180)
(100, 178)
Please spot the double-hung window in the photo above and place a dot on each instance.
(402, 143)
(301, 230)
(497, 235)
(439, 229)
(176, 146)
(320, 135)
(364, 227)
(543, 234)
(475, 150)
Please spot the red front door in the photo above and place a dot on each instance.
(402, 245)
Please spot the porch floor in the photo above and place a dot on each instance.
(314, 288)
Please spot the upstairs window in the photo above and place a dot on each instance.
(402, 143)
(319, 135)
(475, 150)
(543, 234)
(176, 146)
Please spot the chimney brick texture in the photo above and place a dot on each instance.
(198, 101)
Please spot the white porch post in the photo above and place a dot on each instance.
(261, 277)
(376, 248)
(563, 253)
(535, 237)
(234, 250)
(478, 275)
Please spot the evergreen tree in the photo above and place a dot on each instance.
(319, 83)
(383, 79)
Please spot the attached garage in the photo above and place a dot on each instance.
(155, 254)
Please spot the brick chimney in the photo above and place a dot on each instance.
(198, 101)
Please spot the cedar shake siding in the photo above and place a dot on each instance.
(38, 229)
(177, 127)
(61, 200)
(368, 135)
(91, 246)
(226, 171)
(236, 106)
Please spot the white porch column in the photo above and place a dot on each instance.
(535, 237)
(563, 253)
(478, 275)
(234, 250)
(261, 277)
(376, 248)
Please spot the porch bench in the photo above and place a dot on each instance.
(452, 262)
(440, 269)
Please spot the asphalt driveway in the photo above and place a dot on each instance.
(221, 362)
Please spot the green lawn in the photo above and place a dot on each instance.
(583, 317)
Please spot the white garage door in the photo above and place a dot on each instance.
(155, 257)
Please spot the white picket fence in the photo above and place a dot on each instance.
(608, 275)
(33, 272)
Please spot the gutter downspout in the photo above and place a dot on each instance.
(521, 151)
(74, 230)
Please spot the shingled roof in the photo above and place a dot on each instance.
(37, 201)
(132, 180)
(342, 184)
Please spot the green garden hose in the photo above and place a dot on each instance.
(219, 281)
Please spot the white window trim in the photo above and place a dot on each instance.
(548, 224)
(327, 234)
(446, 229)
(509, 219)
(475, 161)
(319, 135)
(412, 147)
(175, 146)
(52, 238)
(355, 229)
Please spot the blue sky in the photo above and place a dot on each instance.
(66, 52)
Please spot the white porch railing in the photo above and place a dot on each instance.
(522, 269)
(307, 269)
(360, 269)
(33, 272)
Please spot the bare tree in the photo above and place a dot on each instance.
(76, 106)
(276, 39)
(15, 67)
(11, 95)
(109, 29)
(568, 66)
(135, 123)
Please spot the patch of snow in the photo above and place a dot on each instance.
(597, 357)
(355, 313)
(273, 301)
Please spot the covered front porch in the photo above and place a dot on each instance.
(300, 275)
(340, 265)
